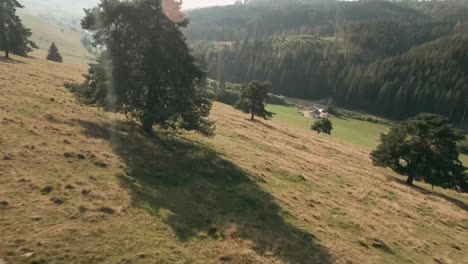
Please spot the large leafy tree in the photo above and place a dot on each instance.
(146, 69)
(424, 148)
(253, 100)
(14, 37)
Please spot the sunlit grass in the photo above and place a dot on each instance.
(361, 133)
(365, 134)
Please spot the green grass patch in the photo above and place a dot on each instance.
(357, 132)
(352, 131)
(289, 116)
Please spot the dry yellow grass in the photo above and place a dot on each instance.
(78, 185)
(67, 40)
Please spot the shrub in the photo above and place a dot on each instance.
(323, 125)
(229, 97)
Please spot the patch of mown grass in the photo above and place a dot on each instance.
(390, 196)
(300, 147)
(362, 133)
(424, 210)
(30, 112)
(296, 178)
(290, 116)
(338, 219)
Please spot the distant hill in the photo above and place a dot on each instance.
(58, 7)
(432, 78)
(271, 40)
(266, 18)
(68, 41)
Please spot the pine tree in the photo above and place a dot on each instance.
(253, 99)
(54, 54)
(13, 35)
(147, 70)
(425, 149)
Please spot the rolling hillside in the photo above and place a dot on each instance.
(68, 41)
(79, 185)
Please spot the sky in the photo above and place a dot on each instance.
(189, 4)
(75, 7)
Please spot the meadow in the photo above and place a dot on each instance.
(80, 185)
(68, 41)
(346, 130)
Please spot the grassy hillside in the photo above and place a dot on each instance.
(68, 41)
(80, 185)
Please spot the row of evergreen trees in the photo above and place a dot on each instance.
(265, 18)
(431, 78)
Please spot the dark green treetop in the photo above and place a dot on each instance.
(253, 100)
(54, 54)
(424, 148)
(323, 125)
(14, 37)
(146, 69)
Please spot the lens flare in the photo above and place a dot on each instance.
(172, 9)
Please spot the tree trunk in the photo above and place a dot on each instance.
(147, 123)
(252, 117)
(410, 180)
(7, 45)
(464, 114)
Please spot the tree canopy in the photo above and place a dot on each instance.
(323, 125)
(424, 148)
(14, 37)
(146, 69)
(253, 99)
(54, 54)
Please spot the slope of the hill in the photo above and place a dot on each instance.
(67, 40)
(79, 185)
(58, 7)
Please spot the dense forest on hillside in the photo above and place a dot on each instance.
(407, 53)
(264, 18)
(429, 78)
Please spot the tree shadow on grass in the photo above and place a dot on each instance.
(10, 60)
(196, 191)
(261, 123)
(462, 205)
